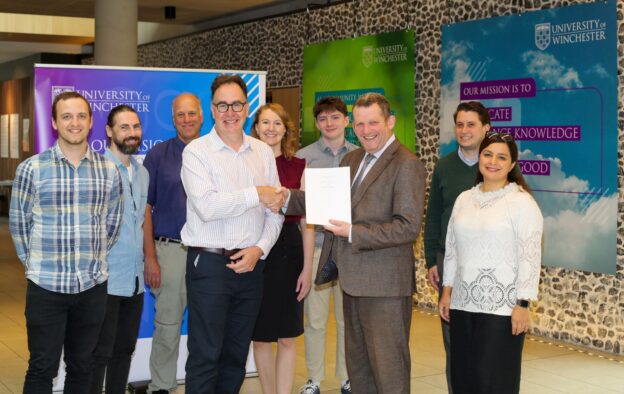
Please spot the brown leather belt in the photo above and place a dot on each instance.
(219, 251)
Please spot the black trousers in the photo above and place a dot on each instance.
(116, 344)
(446, 329)
(57, 322)
(485, 356)
(222, 311)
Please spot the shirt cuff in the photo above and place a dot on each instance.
(285, 206)
(251, 196)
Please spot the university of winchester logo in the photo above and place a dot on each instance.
(542, 35)
(385, 54)
(56, 90)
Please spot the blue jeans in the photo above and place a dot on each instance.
(57, 322)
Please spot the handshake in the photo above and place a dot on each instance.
(272, 198)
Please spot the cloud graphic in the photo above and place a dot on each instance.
(577, 228)
(456, 58)
(599, 70)
(574, 239)
(552, 203)
(455, 51)
(449, 101)
(552, 73)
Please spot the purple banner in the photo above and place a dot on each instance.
(500, 114)
(541, 133)
(534, 167)
(503, 88)
(149, 91)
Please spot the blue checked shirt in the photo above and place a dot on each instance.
(125, 259)
(64, 219)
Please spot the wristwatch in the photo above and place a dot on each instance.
(522, 303)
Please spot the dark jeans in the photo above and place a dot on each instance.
(118, 337)
(58, 322)
(222, 311)
(485, 356)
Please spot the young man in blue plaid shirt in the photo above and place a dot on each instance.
(65, 215)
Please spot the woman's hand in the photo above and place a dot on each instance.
(519, 320)
(304, 283)
(444, 306)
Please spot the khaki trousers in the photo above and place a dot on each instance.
(170, 305)
(316, 310)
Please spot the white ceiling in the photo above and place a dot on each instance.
(17, 40)
(187, 11)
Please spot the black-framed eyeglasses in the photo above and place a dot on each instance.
(236, 106)
(501, 136)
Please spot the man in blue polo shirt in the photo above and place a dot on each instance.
(165, 257)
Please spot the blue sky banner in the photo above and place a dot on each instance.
(553, 86)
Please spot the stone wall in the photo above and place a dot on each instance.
(577, 307)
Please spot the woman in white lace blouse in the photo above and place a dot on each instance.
(491, 271)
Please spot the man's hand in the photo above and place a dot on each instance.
(245, 260)
(339, 228)
(271, 197)
(285, 193)
(519, 320)
(434, 277)
(152, 272)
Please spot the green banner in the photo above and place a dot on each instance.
(382, 63)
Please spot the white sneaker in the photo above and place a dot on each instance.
(346, 388)
(310, 388)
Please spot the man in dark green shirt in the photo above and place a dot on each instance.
(453, 174)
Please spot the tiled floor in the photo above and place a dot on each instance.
(547, 368)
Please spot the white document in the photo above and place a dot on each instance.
(327, 195)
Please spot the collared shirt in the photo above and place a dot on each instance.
(376, 156)
(64, 219)
(466, 160)
(166, 193)
(223, 207)
(125, 259)
(319, 155)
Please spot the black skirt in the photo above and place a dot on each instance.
(281, 315)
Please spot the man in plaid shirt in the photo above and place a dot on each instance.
(65, 215)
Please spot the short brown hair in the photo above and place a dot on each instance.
(290, 142)
(368, 99)
(227, 79)
(473, 106)
(329, 104)
(66, 96)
